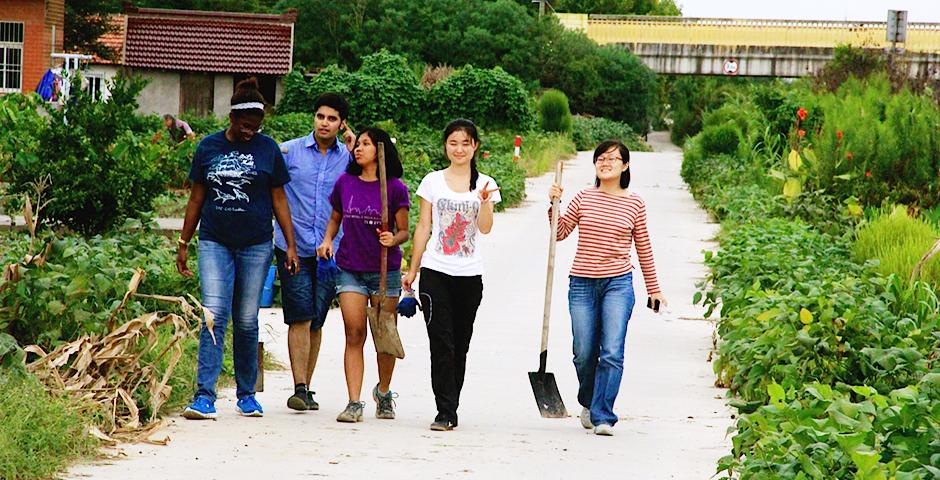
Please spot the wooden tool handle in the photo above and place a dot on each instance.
(383, 264)
(552, 240)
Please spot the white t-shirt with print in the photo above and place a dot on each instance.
(454, 247)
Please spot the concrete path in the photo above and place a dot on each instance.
(673, 419)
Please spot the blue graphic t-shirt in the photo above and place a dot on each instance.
(239, 177)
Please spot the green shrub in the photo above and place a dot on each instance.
(39, 434)
(297, 96)
(385, 88)
(898, 242)
(588, 132)
(99, 169)
(288, 126)
(490, 98)
(720, 139)
(23, 127)
(554, 114)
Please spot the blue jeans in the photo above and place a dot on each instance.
(600, 309)
(231, 281)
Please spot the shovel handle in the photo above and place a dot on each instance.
(383, 262)
(547, 312)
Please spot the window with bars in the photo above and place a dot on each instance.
(11, 56)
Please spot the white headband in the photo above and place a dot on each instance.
(248, 106)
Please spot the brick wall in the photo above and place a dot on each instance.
(38, 17)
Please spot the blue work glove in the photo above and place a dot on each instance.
(326, 269)
(408, 305)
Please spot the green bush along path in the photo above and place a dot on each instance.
(673, 420)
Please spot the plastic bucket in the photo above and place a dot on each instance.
(267, 294)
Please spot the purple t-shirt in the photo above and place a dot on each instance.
(360, 202)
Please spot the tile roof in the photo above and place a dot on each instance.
(114, 40)
(209, 41)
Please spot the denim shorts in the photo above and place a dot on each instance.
(367, 283)
(304, 298)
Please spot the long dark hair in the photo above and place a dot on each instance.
(247, 92)
(393, 168)
(466, 126)
(603, 148)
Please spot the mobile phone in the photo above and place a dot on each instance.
(654, 306)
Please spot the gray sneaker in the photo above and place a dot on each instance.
(586, 418)
(384, 404)
(352, 413)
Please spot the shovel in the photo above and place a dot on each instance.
(543, 383)
(383, 323)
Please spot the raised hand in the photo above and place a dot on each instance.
(485, 194)
(555, 191)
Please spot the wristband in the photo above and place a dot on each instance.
(181, 242)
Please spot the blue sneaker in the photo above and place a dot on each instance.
(201, 409)
(249, 407)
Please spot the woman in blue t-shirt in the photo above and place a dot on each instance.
(357, 206)
(238, 178)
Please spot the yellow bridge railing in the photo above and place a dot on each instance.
(921, 37)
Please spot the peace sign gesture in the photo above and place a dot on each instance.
(485, 195)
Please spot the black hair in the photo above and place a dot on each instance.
(169, 116)
(247, 91)
(335, 101)
(466, 126)
(393, 168)
(603, 148)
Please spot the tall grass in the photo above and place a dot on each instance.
(39, 434)
(898, 242)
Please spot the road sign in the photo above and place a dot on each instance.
(897, 26)
(730, 67)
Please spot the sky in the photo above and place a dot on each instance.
(918, 10)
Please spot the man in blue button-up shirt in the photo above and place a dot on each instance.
(314, 162)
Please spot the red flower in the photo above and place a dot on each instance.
(801, 133)
(868, 173)
(486, 154)
(839, 134)
(849, 156)
(801, 113)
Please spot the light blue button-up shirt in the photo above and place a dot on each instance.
(312, 177)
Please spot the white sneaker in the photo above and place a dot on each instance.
(604, 429)
(586, 418)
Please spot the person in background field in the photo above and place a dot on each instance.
(610, 219)
(314, 162)
(456, 206)
(178, 129)
(238, 178)
(357, 205)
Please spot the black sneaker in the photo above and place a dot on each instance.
(384, 404)
(298, 401)
(442, 424)
(311, 403)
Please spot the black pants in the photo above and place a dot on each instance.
(450, 306)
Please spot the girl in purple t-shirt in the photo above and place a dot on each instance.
(357, 205)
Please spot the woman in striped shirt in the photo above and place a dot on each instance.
(610, 219)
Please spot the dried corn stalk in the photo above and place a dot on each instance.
(105, 372)
(926, 258)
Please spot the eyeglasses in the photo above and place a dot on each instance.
(608, 160)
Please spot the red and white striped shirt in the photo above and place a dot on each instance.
(608, 225)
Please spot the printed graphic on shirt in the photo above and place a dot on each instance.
(228, 174)
(367, 214)
(458, 227)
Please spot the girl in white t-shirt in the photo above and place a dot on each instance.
(456, 207)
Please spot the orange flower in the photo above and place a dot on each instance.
(868, 173)
(801, 113)
(801, 133)
(839, 134)
(849, 156)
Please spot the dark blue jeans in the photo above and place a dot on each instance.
(231, 282)
(600, 309)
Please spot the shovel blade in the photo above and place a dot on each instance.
(546, 395)
(385, 333)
